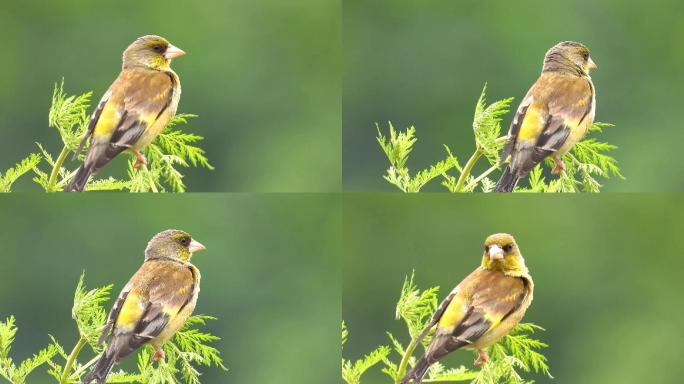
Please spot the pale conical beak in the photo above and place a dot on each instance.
(591, 64)
(495, 253)
(196, 246)
(172, 52)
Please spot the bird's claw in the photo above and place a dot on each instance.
(158, 355)
(140, 160)
(560, 167)
(482, 358)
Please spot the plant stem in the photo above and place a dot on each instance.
(471, 163)
(87, 365)
(401, 371)
(71, 359)
(473, 183)
(55, 170)
(467, 169)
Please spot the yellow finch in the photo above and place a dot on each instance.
(554, 115)
(135, 108)
(154, 304)
(484, 307)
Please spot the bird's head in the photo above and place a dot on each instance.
(501, 253)
(153, 52)
(569, 56)
(174, 244)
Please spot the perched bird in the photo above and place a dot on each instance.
(554, 115)
(154, 304)
(484, 307)
(135, 108)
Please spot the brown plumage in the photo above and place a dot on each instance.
(154, 304)
(484, 307)
(135, 108)
(556, 113)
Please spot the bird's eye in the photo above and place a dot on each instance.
(486, 248)
(585, 55)
(508, 247)
(185, 240)
(158, 48)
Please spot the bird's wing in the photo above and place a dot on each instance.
(437, 316)
(495, 297)
(114, 313)
(158, 292)
(132, 104)
(94, 118)
(515, 126)
(554, 106)
(481, 301)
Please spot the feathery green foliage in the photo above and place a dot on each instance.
(189, 348)
(352, 371)
(8, 369)
(397, 149)
(586, 162)
(13, 174)
(515, 353)
(173, 150)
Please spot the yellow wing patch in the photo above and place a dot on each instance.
(532, 125)
(453, 314)
(131, 311)
(108, 121)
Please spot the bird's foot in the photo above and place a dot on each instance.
(158, 354)
(140, 159)
(482, 358)
(560, 167)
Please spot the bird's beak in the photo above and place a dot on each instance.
(495, 253)
(591, 64)
(172, 52)
(196, 246)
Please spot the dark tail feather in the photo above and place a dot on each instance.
(101, 370)
(416, 374)
(507, 182)
(79, 181)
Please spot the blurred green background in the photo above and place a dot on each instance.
(270, 273)
(424, 63)
(263, 76)
(607, 272)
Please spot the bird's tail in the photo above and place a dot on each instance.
(102, 368)
(507, 182)
(80, 179)
(417, 372)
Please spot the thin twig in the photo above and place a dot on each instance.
(467, 169)
(71, 359)
(474, 183)
(55, 170)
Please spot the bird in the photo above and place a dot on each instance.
(483, 308)
(154, 304)
(135, 109)
(556, 113)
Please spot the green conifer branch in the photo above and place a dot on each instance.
(587, 160)
(68, 115)
(189, 348)
(515, 353)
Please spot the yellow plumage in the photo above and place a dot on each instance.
(555, 114)
(154, 304)
(135, 109)
(484, 307)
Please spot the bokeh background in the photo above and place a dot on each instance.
(424, 64)
(606, 270)
(270, 273)
(263, 76)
